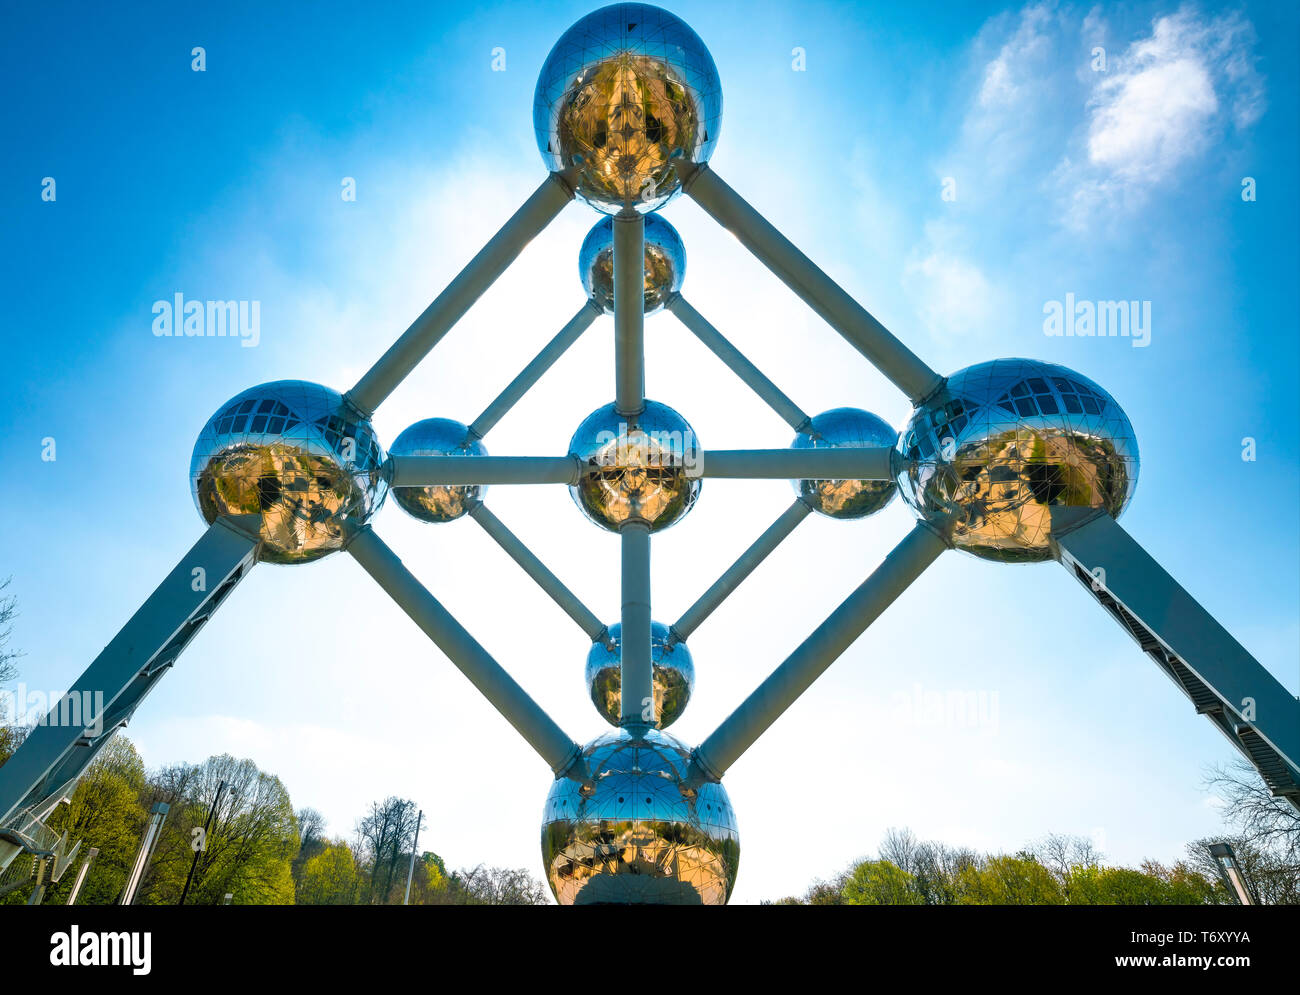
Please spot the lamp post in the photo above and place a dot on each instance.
(203, 843)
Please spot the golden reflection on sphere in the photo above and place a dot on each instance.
(627, 95)
(673, 676)
(638, 836)
(636, 467)
(987, 458)
(665, 263)
(297, 456)
(438, 437)
(846, 428)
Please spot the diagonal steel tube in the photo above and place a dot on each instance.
(864, 463)
(433, 471)
(636, 669)
(736, 361)
(506, 696)
(740, 730)
(533, 372)
(629, 313)
(450, 306)
(817, 290)
(594, 628)
(748, 561)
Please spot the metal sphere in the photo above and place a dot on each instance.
(627, 96)
(638, 835)
(673, 676)
(1002, 443)
(636, 467)
(438, 437)
(296, 455)
(665, 263)
(846, 428)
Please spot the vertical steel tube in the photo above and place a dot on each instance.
(817, 290)
(506, 696)
(735, 574)
(533, 372)
(629, 313)
(736, 361)
(635, 663)
(81, 875)
(159, 813)
(741, 729)
(480, 273)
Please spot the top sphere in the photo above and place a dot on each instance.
(438, 437)
(627, 95)
(665, 263)
(296, 455)
(1002, 443)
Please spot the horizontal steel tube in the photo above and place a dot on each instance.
(817, 290)
(506, 696)
(735, 574)
(736, 361)
(866, 463)
(459, 296)
(434, 471)
(741, 729)
(536, 569)
(533, 372)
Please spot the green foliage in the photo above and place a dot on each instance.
(331, 877)
(880, 882)
(1018, 880)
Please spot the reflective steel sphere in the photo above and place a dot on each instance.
(627, 95)
(636, 467)
(665, 263)
(849, 428)
(295, 454)
(438, 437)
(1004, 442)
(639, 836)
(673, 676)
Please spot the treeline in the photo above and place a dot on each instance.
(1058, 870)
(257, 849)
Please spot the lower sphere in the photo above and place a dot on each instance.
(638, 835)
(672, 681)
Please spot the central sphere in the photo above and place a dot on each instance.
(844, 428)
(438, 437)
(1002, 443)
(673, 676)
(639, 836)
(665, 263)
(636, 467)
(296, 455)
(627, 95)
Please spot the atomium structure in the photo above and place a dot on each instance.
(1010, 461)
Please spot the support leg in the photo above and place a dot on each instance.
(636, 668)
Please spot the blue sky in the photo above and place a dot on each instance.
(1122, 184)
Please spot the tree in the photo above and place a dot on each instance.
(330, 877)
(248, 849)
(8, 612)
(880, 882)
(383, 836)
(1018, 880)
(496, 886)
